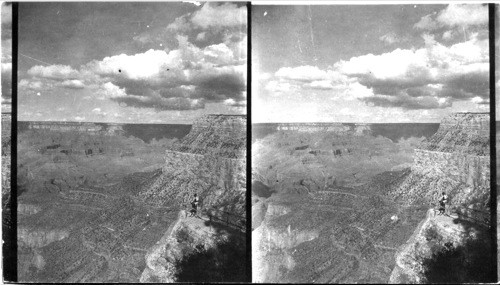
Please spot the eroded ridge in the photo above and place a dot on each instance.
(455, 161)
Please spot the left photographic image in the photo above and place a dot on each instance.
(131, 142)
(8, 226)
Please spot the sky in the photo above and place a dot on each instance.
(6, 59)
(131, 62)
(368, 64)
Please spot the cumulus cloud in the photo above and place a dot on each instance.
(407, 102)
(415, 79)
(214, 15)
(391, 38)
(320, 84)
(455, 15)
(73, 84)
(6, 14)
(430, 77)
(6, 48)
(109, 90)
(275, 86)
(179, 79)
(479, 100)
(233, 103)
(34, 85)
(213, 23)
(6, 67)
(448, 35)
(301, 73)
(184, 78)
(55, 72)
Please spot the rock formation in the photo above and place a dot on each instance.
(456, 160)
(186, 237)
(6, 142)
(209, 161)
(86, 127)
(433, 235)
(339, 128)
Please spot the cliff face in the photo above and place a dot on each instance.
(209, 161)
(467, 133)
(216, 135)
(87, 127)
(6, 141)
(455, 160)
(183, 238)
(356, 129)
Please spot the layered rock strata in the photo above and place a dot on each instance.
(340, 128)
(86, 127)
(209, 161)
(455, 160)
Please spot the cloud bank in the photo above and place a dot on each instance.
(182, 78)
(431, 77)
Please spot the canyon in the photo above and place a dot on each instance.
(343, 206)
(8, 227)
(97, 216)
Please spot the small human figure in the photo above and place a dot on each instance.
(442, 203)
(194, 204)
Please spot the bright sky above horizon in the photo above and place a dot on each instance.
(131, 62)
(6, 61)
(368, 64)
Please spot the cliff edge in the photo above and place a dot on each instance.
(456, 160)
(435, 237)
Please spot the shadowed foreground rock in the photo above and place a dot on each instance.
(456, 161)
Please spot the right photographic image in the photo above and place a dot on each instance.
(371, 144)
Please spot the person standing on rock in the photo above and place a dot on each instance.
(442, 203)
(194, 204)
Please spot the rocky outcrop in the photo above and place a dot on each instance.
(434, 233)
(182, 239)
(455, 160)
(209, 161)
